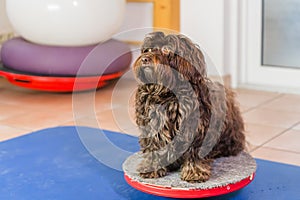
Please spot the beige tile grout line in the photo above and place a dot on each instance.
(284, 150)
(263, 103)
(279, 134)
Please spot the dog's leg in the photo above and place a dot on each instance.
(197, 164)
(153, 145)
(156, 136)
(196, 171)
(151, 167)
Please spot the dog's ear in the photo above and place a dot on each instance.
(186, 71)
(173, 43)
(192, 53)
(188, 59)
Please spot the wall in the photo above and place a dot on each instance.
(4, 24)
(207, 23)
(203, 22)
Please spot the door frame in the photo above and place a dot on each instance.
(250, 71)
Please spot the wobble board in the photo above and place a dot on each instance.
(57, 83)
(228, 175)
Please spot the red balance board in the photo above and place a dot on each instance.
(229, 174)
(186, 193)
(57, 83)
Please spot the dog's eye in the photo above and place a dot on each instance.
(147, 50)
(165, 50)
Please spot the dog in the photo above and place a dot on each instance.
(185, 119)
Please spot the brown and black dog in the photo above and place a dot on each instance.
(186, 120)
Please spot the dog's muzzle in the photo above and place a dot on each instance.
(146, 70)
(147, 74)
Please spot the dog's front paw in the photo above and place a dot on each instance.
(155, 174)
(196, 172)
(147, 171)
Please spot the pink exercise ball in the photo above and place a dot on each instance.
(66, 22)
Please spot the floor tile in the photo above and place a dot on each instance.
(124, 93)
(287, 102)
(68, 123)
(7, 110)
(258, 134)
(7, 132)
(250, 98)
(244, 108)
(108, 120)
(288, 141)
(277, 156)
(250, 147)
(271, 118)
(134, 131)
(297, 127)
(118, 117)
(35, 120)
(87, 104)
(85, 121)
(257, 92)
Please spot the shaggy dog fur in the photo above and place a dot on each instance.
(185, 119)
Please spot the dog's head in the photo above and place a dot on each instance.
(166, 59)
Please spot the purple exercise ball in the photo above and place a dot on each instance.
(108, 57)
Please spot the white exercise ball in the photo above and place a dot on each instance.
(66, 22)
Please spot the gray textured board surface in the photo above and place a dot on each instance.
(225, 171)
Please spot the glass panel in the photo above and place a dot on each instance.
(281, 33)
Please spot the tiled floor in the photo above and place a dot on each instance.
(272, 119)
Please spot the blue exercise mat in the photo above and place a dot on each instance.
(54, 164)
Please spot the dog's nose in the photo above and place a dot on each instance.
(146, 60)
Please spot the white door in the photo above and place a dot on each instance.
(271, 43)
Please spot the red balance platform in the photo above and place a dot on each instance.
(57, 83)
